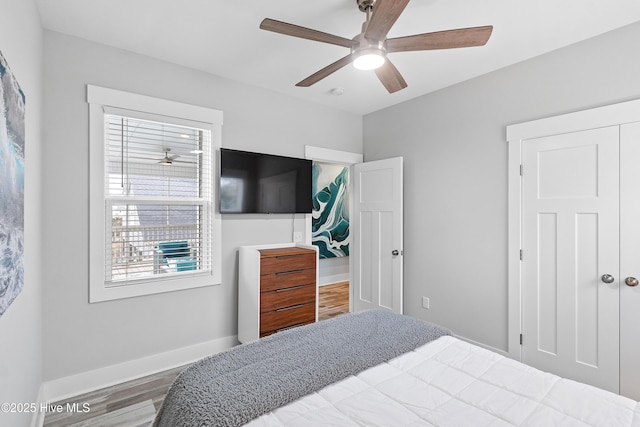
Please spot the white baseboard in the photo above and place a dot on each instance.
(488, 347)
(63, 388)
(336, 278)
(38, 416)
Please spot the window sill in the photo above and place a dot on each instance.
(100, 292)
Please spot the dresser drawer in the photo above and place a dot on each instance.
(287, 279)
(283, 318)
(288, 262)
(281, 298)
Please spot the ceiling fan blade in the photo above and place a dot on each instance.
(304, 33)
(173, 157)
(385, 14)
(463, 37)
(390, 77)
(326, 71)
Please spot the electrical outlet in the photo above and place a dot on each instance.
(425, 303)
(297, 236)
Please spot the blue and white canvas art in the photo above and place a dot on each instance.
(330, 216)
(12, 107)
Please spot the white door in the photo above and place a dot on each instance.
(629, 260)
(570, 240)
(377, 235)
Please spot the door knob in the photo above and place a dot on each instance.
(631, 281)
(607, 278)
(395, 252)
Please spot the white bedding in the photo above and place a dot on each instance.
(449, 382)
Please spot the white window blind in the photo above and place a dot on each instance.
(158, 199)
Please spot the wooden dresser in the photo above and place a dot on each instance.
(277, 289)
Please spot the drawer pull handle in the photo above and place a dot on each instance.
(288, 256)
(290, 289)
(280, 273)
(291, 327)
(290, 308)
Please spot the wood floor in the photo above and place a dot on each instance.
(135, 403)
(333, 300)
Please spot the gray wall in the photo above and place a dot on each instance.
(21, 324)
(455, 159)
(333, 270)
(79, 336)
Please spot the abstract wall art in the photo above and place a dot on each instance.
(12, 108)
(330, 216)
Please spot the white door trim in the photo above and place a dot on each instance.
(320, 154)
(611, 115)
(327, 155)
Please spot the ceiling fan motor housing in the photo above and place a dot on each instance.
(363, 46)
(365, 5)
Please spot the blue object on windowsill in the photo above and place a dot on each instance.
(174, 249)
(186, 264)
(179, 252)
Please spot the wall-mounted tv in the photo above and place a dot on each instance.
(263, 183)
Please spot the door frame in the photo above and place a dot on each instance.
(610, 115)
(326, 155)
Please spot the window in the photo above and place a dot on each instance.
(153, 225)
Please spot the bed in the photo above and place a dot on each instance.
(380, 369)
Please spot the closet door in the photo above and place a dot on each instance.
(629, 259)
(570, 262)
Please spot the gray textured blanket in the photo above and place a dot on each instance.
(233, 387)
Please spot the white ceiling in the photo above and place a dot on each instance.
(222, 37)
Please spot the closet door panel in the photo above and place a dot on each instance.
(570, 236)
(630, 260)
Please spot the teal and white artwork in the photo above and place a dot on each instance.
(12, 105)
(330, 215)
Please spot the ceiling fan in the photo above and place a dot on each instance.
(369, 48)
(168, 160)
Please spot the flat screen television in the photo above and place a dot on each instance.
(263, 183)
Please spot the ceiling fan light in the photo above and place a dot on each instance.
(368, 59)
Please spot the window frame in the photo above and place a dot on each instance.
(103, 101)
